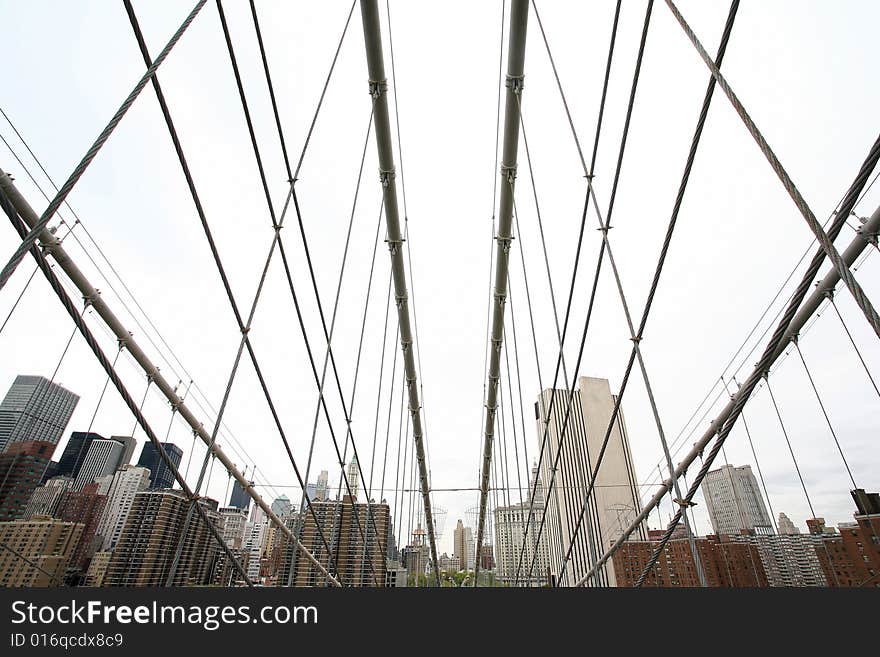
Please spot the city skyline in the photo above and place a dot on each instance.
(805, 437)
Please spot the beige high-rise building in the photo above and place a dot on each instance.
(148, 542)
(463, 545)
(44, 548)
(126, 482)
(734, 502)
(614, 502)
(357, 561)
(519, 561)
(98, 568)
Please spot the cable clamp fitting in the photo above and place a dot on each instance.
(505, 242)
(378, 88)
(405, 346)
(496, 343)
(386, 176)
(684, 503)
(515, 83)
(394, 245)
(400, 299)
(509, 173)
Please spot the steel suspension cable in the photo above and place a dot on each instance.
(800, 353)
(588, 174)
(302, 231)
(604, 224)
(378, 87)
(638, 336)
(243, 329)
(824, 239)
(755, 458)
(795, 462)
(31, 237)
(333, 316)
(276, 224)
(853, 342)
(321, 97)
(21, 227)
(722, 426)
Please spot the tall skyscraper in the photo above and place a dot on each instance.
(734, 502)
(614, 502)
(86, 507)
(786, 526)
(21, 469)
(127, 482)
(254, 541)
(282, 507)
(459, 544)
(357, 561)
(160, 474)
(44, 500)
(234, 521)
(463, 546)
(35, 409)
(149, 540)
(105, 456)
(75, 453)
(323, 487)
(239, 497)
(353, 478)
(512, 554)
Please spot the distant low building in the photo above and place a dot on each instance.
(852, 556)
(726, 563)
(97, 569)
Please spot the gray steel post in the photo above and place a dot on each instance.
(52, 246)
(382, 124)
(866, 236)
(519, 15)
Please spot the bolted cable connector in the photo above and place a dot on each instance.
(515, 83)
(386, 176)
(505, 242)
(378, 88)
(509, 173)
(394, 245)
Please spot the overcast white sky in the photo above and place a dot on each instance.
(805, 70)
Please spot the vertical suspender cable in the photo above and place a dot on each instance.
(378, 92)
(519, 12)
